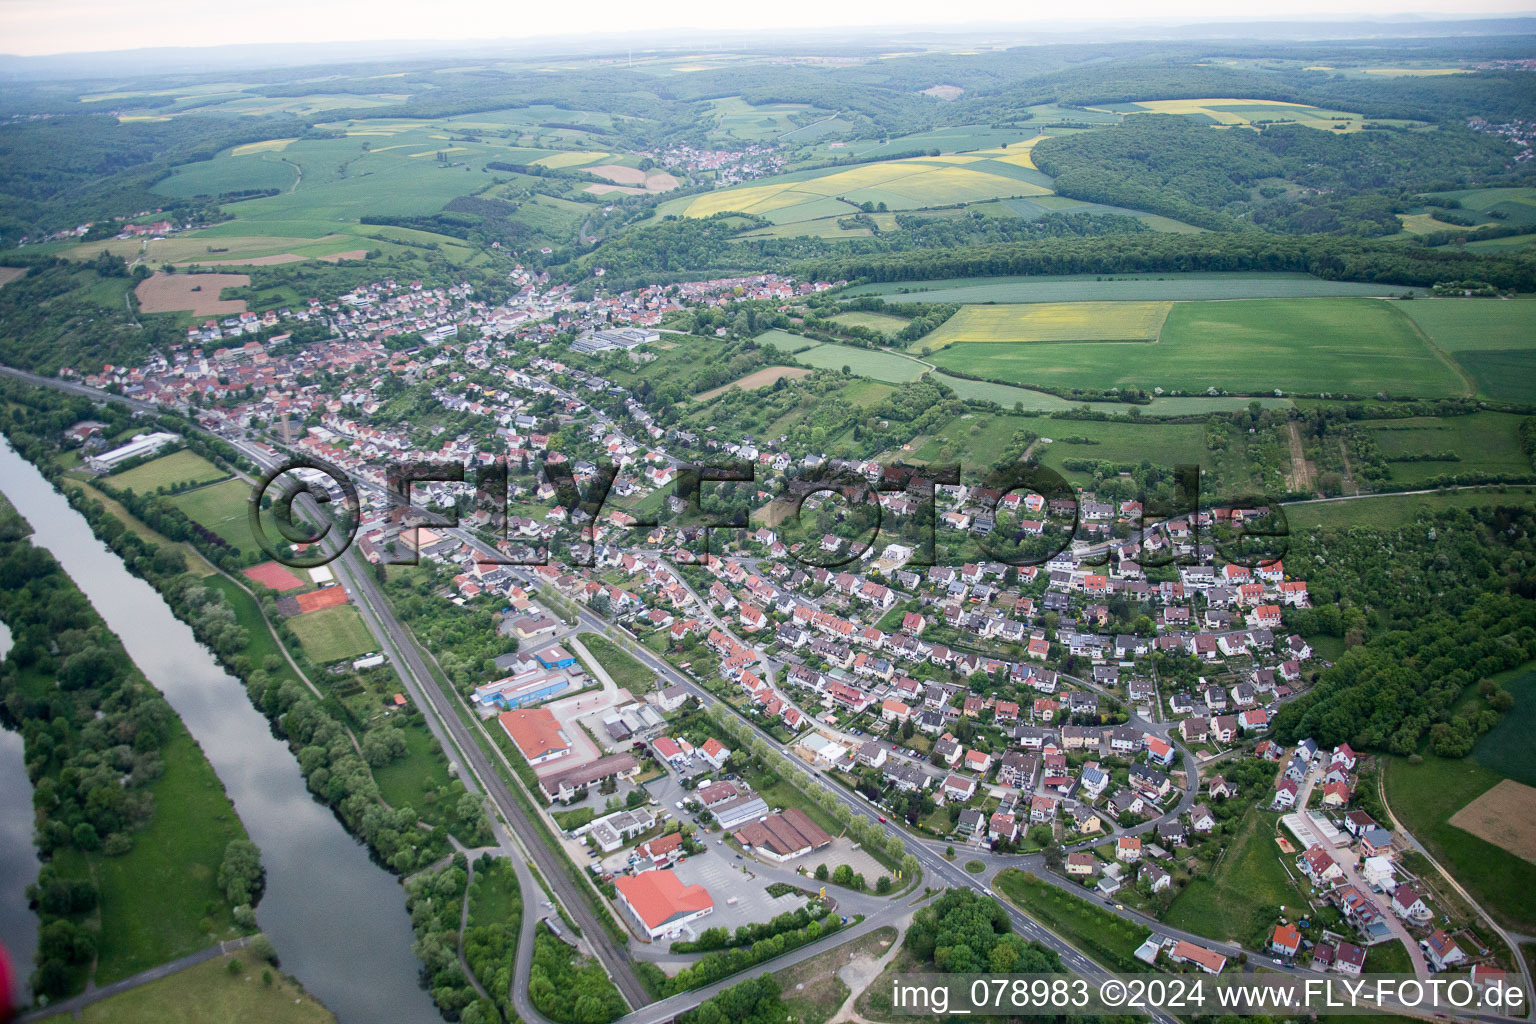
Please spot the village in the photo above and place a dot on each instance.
(1081, 715)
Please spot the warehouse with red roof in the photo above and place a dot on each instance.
(661, 904)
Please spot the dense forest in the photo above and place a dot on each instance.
(1408, 665)
(1177, 166)
(1329, 257)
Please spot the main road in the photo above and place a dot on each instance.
(424, 687)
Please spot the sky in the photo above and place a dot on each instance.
(30, 27)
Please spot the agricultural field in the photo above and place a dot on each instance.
(866, 362)
(766, 377)
(785, 342)
(1493, 340)
(1486, 442)
(629, 180)
(1424, 797)
(949, 140)
(1494, 205)
(737, 118)
(1122, 442)
(333, 634)
(1328, 345)
(882, 322)
(1394, 511)
(900, 184)
(1005, 395)
(1505, 816)
(1143, 288)
(821, 227)
(221, 508)
(1506, 748)
(380, 168)
(194, 293)
(181, 467)
(1244, 112)
(1049, 322)
(200, 250)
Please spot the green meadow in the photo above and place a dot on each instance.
(1118, 287)
(1318, 345)
(1494, 340)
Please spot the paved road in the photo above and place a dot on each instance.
(443, 716)
(1309, 837)
(409, 661)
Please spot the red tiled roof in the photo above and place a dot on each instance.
(534, 730)
(659, 896)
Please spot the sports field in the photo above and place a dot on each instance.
(176, 468)
(865, 362)
(221, 508)
(1312, 346)
(274, 576)
(1494, 340)
(1051, 321)
(332, 634)
(1142, 287)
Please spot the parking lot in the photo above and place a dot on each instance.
(721, 873)
(842, 852)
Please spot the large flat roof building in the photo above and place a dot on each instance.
(537, 734)
(660, 903)
(141, 445)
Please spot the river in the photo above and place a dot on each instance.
(338, 919)
(18, 857)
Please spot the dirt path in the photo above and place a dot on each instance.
(1350, 487)
(1303, 475)
(861, 971)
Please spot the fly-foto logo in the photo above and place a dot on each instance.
(314, 509)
